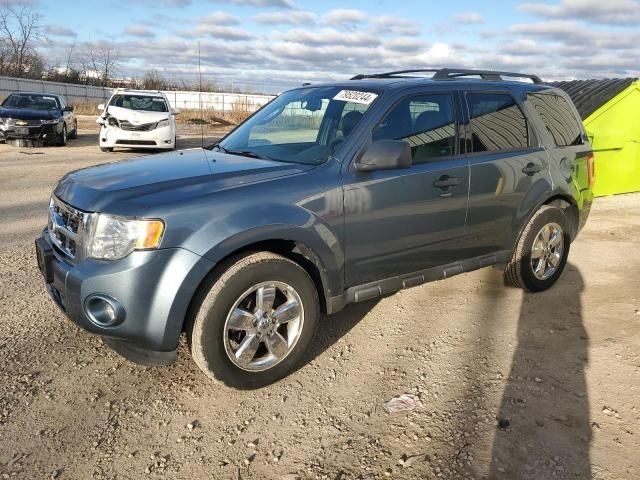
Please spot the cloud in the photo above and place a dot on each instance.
(218, 31)
(329, 36)
(297, 17)
(141, 31)
(219, 18)
(341, 16)
(60, 31)
(389, 24)
(286, 4)
(610, 12)
(469, 18)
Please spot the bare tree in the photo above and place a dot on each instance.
(153, 80)
(19, 30)
(100, 62)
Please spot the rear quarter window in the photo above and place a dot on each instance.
(497, 123)
(558, 118)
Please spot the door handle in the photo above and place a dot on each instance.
(445, 182)
(532, 168)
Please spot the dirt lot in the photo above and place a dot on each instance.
(513, 386)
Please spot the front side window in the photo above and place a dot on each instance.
(425, 122)
(304, 126)
(558, 118)
(33, 102)
(497, 123)
(142, 103)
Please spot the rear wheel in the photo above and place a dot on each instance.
(254, 325)
(541, 253)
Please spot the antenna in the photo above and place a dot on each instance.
(200, 100)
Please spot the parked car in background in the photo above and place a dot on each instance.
(330, 194)
(38, 117)
(137, 119)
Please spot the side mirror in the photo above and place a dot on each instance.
(68, 108)
(384, 155)
(175, 111)
(101, 107)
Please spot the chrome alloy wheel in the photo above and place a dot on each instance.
(547, 251)
(263, 326)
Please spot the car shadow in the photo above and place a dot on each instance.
(331, 328)
(543, 426)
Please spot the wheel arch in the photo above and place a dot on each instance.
(296, 251)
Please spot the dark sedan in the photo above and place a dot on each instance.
(40, 117)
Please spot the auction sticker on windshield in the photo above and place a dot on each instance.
(354, 96)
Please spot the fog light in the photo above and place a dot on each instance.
(103, 310)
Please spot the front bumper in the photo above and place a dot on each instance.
(49, 133)
(153, 289)
(112, 136)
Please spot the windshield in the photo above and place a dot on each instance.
(301, 126)
(143, 103)
(34, 102)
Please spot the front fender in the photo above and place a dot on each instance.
(273, 222)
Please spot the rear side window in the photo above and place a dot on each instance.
(497, 123)
(558, 117)
(425, 122)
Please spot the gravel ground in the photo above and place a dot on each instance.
(512, 386)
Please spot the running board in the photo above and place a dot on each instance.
(387, 286)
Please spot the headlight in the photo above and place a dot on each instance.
(113, 121)
(50, 122)
(112, 238)
(163, 123)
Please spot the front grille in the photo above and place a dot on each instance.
(135, 142)
(25, 123)
(66, 227)
(145, 127)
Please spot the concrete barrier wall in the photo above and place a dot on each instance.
(222, 102)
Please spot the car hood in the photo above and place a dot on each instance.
(136, 117)
(28, 114)
(142, 186)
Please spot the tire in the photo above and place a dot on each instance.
(62, 140)
(106, 149)
(74, 132)
(526, 270)
(214, 343)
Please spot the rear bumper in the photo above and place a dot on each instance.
(151, 289)
(585, 209)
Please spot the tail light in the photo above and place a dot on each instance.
(591, 169)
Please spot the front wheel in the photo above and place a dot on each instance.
(255, 323)
(62, 139)
(542, 251)
(74, 133)
(106, 149)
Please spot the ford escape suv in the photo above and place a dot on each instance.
(330, 194)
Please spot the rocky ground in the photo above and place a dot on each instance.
(512, 386)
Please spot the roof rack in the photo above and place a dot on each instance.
(452, 74)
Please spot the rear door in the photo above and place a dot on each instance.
(508, 169)
(566, 138)
(406, 220)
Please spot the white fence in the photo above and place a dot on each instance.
(222, 102)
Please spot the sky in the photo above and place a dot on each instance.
(267, 44)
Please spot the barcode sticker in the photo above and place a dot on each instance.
(354, 96)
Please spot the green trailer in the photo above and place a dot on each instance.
(610, 110)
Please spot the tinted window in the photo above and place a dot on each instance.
(497, 123)
(426, 122)
(558, 117)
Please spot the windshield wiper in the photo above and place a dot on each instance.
(246, 153)
(218, 146)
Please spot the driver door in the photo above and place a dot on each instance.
(406, 220)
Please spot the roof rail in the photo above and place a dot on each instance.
(452, 74)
